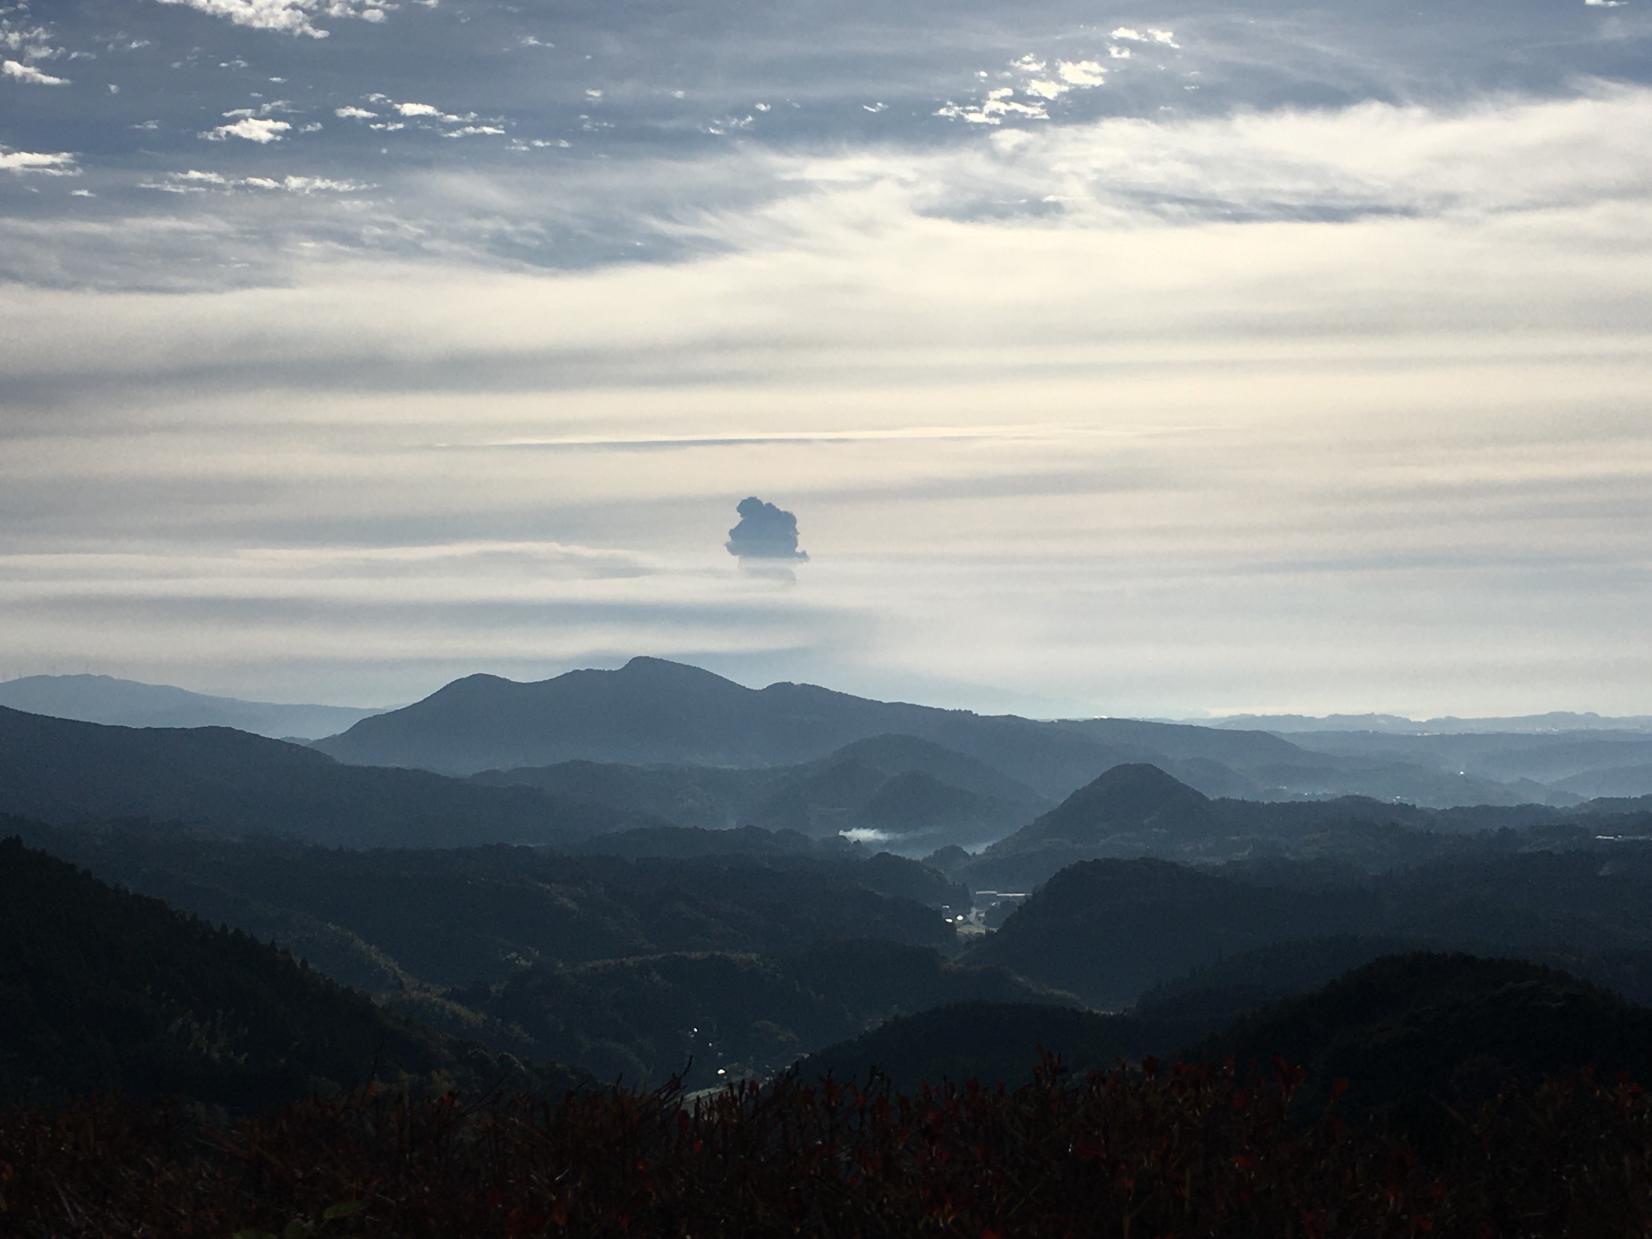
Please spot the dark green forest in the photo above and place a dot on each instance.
(312, 997)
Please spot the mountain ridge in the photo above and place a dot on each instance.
(117, 702)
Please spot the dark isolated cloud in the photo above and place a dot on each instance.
(764, 532)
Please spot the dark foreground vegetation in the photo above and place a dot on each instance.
(1181, 1150)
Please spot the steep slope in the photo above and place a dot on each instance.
(129, 703)
(57, 770)
(1420, 1030)
(989, 1042)
(1131, 799)
(103, 990)
(1108, 929)
(382, 919)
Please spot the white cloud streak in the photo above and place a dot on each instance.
(249, 129)
(60, 163)
(29, 74)
(294, 17)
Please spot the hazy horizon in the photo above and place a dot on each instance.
(1161, 360)
(8, 676)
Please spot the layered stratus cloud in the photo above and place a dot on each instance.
(1133, 360)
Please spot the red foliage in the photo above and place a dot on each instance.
(1187, 1151)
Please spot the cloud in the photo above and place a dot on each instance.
(294, 17)
(1039, 88)
(61, 163)
(30, 74)
(249, 129)
(354, 113)
(1081, 72)
(196, 182)
(1000, 103)
(764, 532)
(1130, 34)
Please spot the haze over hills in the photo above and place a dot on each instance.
(898, 787)
(652, 712)
(58, 770)
(128, 703)
(1398, 724)
(1138, 810)
(656, 712)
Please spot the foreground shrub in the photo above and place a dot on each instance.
(1182, 1151)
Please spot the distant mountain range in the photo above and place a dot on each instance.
(656, 713)
(653, 712)
(1139, 810)
(224, 781)
(128, 703)
(895, 788)
(1398, 724)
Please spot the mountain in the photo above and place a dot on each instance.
(894, 786)
(1128, 799)
(128, 703)
(1420, 1032)
(229, 781)
(1108, 929)
(652, 712)
(103, 990)
(1395, 724)
(990, 1042)
(717, 1015)
(393, 920)
(656, 713)
(1616, 782)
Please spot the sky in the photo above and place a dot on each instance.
(1111, 358)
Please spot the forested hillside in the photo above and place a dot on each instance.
(104, 991)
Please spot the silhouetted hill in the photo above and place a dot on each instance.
(729, 1015)
(1420, 1030)
(128, 703)
(62, 771)
(652, 712)
(1612, 782)
(656, 712)
(684, 842)
(1128, 799)
(703, 797)
(990, 1042)
(385, 920)
(103, 990)
(895, 785)
(1108, 929)
(1140, 810)
(1208, 999)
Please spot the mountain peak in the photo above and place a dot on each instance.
(1126, 798)
(667, 670)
